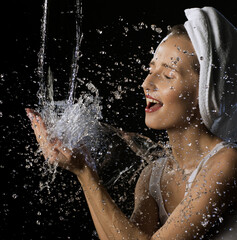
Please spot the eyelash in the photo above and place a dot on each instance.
(167, 77)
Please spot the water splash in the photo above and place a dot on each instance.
(79, 120)
(75, 123)
(65, 120)
(70, 120)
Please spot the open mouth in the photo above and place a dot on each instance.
(152, 104)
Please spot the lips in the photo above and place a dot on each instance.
(152, 104)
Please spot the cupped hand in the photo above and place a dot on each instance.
(53, 149)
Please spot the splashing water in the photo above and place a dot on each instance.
(65, 120)
(80, 122)
(74, 121)
(70, 120)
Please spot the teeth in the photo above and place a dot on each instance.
(151, 100)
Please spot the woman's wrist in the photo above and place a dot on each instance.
(87, 176)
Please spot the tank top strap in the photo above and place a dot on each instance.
(154, 187)
(216, 149)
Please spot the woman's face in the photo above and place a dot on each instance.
(171, 87)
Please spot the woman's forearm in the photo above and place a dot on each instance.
(108, 218)
(99, 228)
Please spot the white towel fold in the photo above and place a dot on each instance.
(214, 39)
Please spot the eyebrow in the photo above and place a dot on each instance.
(152, 63)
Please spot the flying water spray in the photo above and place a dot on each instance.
(70, 120)
(80, 120)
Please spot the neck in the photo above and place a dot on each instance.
(190, 144)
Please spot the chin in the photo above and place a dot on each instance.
(157, 125)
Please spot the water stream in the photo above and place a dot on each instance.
(80, 120)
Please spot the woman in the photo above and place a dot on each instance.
(184, 195)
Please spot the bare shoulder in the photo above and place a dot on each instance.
(228, 153)
(224, 163)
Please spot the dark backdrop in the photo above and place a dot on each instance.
(117, 44)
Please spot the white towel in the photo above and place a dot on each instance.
(214, 39)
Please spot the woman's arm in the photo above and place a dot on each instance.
(115, 224)
(212, 191)
(196, 213)
(192, 217)
(104, 211)
(145, 214)
(99, 228)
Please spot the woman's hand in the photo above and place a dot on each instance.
(53, 149)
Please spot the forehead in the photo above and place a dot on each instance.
(175, 50)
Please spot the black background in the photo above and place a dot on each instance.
(26, 212)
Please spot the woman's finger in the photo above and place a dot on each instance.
(38, 125)
(41, 134)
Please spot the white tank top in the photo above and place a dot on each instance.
(157, 170)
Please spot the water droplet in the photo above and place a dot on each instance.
(158, 30)
(225, 77)
(205, 222)
(14, 196)
(138, 60)
(126, 29)
(99, 31)
(153, 26)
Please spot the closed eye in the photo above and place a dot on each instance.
(167, 77)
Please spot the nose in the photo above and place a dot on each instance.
(145, 84)
(148, 83)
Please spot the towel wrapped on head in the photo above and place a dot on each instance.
(214, 39)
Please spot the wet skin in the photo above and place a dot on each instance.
(173, 81)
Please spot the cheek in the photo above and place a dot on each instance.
(179, 103)
(181, 92)
(171, 96)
